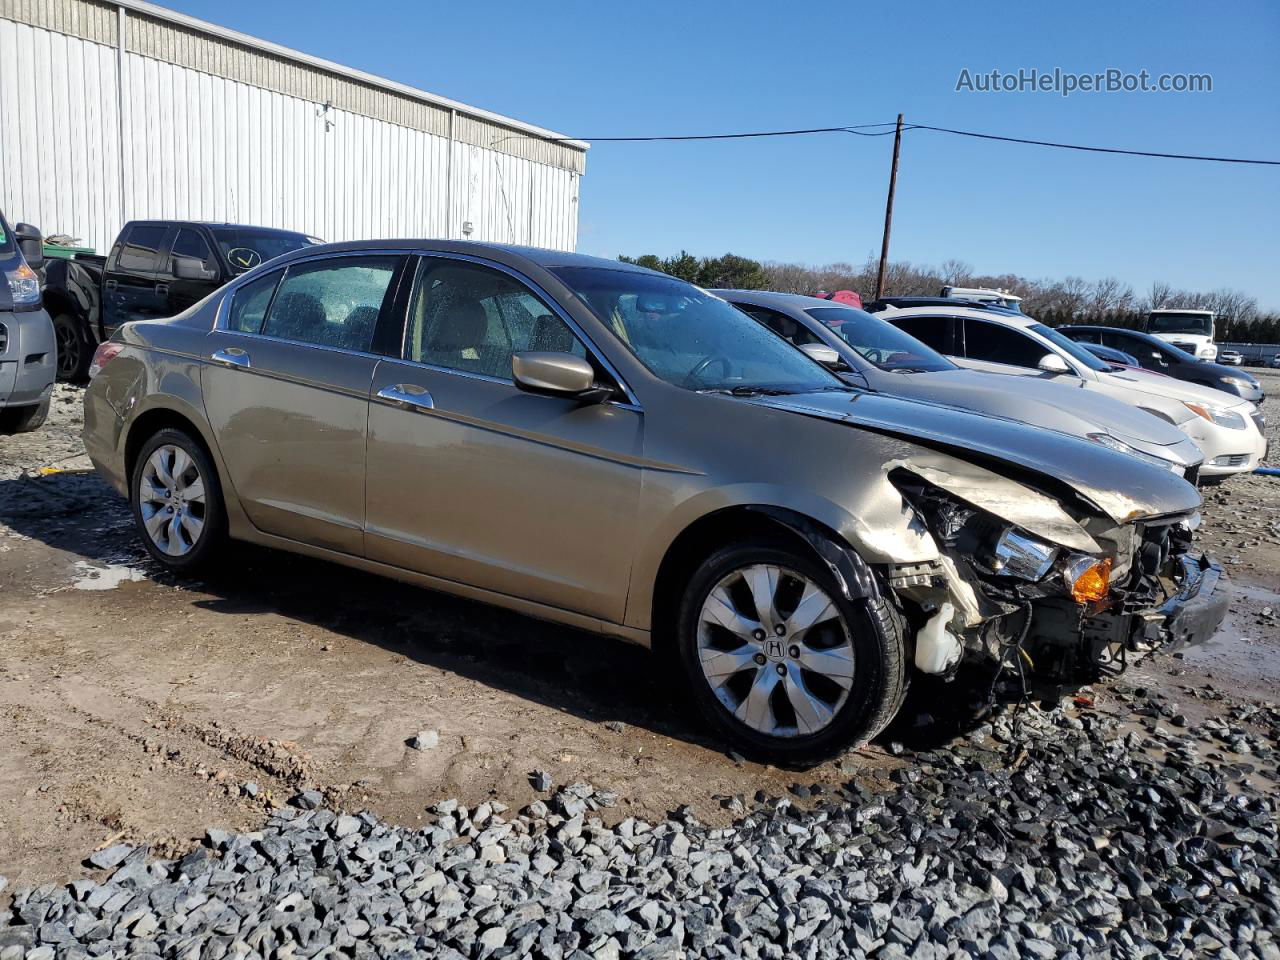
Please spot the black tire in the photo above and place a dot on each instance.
(75, 348)
(24, 419)
(213, 536)
(879, 675)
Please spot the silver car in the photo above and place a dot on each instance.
(874, 354)
(614, 449)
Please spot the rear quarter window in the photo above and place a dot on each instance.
(249, 304)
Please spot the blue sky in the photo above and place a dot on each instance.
(595, 69)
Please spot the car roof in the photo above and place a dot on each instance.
(1140, 334)
(1010, 318)
(902, 303)
(798, 301)
(510, 253)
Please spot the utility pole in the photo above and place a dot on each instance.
(888, 210)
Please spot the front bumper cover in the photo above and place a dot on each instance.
(1196, 611)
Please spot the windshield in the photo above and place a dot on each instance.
(692, 339)
(880, 342)
(245, 248)
(1197, 323)
(1070, 347)
(6, 239)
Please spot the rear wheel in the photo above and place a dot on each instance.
(74, 349)
(24, 419)
(780, 662)
(177, 501)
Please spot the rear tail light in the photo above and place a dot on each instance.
(105, 353)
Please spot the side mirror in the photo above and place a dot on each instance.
(1052, 363)
(31, 243)
(558, 375)
(827, 356)
(186, 268)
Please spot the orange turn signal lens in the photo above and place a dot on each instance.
(1089, 579)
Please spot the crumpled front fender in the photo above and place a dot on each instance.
(1007, 499)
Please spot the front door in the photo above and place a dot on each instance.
(473, 480)
(286, 388)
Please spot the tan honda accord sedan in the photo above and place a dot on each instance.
(611, 448)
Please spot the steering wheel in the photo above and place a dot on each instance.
(701, 367)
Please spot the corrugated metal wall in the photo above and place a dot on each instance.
(195, 144)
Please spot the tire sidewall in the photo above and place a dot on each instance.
(212, 535)
(855, 718)
(83, 356)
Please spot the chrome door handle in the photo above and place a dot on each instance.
(231, 357)
(407, 396)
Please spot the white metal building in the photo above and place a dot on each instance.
(111, 111)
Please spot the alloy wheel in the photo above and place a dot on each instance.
(776, 650)
(69, 350)
(171, 500)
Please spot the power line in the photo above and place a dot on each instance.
(868, 130)
(1088, 149)
(858, 129)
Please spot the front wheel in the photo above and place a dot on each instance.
(781, 662)
(177, 501)
(24, 419)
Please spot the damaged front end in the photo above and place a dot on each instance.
(1049, 586)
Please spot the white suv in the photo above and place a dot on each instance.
(1227, 429)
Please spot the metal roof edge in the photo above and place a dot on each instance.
(244, 39)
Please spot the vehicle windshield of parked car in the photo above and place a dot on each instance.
(880, 342)
(246, 248)
(1197, 323)
(692, 339)
(1070, 347)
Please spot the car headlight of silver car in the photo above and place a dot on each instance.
(1219, 415)
(1107, 440)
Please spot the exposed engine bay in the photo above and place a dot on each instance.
(1060, 605)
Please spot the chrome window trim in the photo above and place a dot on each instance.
(267, 338)
(631, 401)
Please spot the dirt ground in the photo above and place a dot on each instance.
(137, 707)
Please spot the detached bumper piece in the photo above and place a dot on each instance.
(1194, 614)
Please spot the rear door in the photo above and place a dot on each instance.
(473, 480)
(286, 389)
(131, 284)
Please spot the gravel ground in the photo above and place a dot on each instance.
(1040, 835)
(1138, 819)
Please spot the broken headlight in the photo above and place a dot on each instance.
(1020, 555)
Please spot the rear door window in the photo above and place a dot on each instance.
(994, 343)
(140, 250)
(333, 302)
(935, 331)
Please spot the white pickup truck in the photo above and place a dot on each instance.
(1189, 330)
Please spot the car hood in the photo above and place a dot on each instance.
(1115, 484)
(1042, 403)
(1162, 386)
